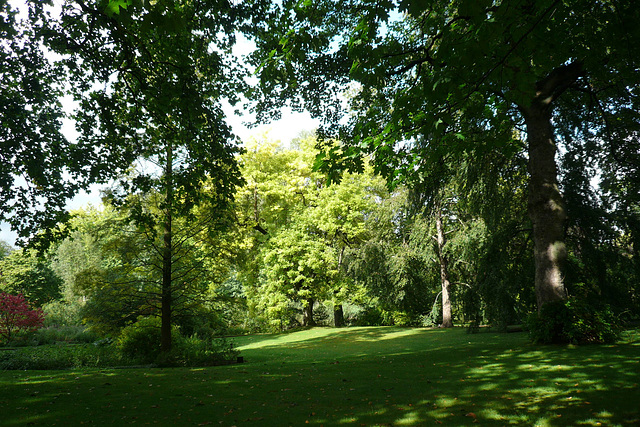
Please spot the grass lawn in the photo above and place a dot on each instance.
(354, 376)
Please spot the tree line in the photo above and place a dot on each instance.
(460, 106)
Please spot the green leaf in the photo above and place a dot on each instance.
(112, 7)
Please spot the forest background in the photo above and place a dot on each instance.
(458, 187)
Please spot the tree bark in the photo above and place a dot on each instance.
(546, 209)
(307, 313)
(338, 313)
(338, 316)
(447, 321)
(546, 206)
(167, 255)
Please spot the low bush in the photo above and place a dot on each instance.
(62, 357)
(195, 351)
(141, 341)
(138, 344)
(573, 321)
(67, 334)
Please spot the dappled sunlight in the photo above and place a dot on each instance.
(361, 376)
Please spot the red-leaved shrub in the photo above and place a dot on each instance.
(17, 315)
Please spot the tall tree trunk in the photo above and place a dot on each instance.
(546, 207)
(307, 313)
(167, 255)
(447, 321)
(338, 316)
(338, 313)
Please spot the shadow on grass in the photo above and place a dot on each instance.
(363, 376)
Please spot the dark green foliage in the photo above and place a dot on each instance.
(62, 357)
(197, 351)
(54, 335)
(26, 272)
(370, 316)
(573, 321)
(41, 169)
(61, 313)
(64, 334)
(141, 342)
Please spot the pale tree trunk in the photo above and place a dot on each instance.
(167, 255)
(447, 321)
(546, 207)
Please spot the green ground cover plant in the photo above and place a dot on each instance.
(356, 376)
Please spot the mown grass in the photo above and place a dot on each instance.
(355, 376)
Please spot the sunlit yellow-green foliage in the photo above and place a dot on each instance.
(297, 226)
(277, 181)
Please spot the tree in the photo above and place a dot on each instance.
(149, 79)
(339, 217)
(298, 267)
(300, 228)
(16, 315)
(27, 273)
(279, 185)
(436, 79)
(5, 249)
(34, 153)
(397, 282)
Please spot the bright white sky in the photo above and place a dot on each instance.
(284, 130)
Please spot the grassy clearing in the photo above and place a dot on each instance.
(355, 376)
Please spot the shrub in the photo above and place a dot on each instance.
(16, 315)
(141, 340)
(573, 321)
(195, 351)
(62, 357)
(370, 316)
(67, 334)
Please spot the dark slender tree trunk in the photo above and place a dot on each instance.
(307, 313)
(447, 320)
(167, 255)
(338, 313)
(546, 206)
(338, 316)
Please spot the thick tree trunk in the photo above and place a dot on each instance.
(447, 321)
(546, 207)
(307, 313)
(167, 255)
(338, 316)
